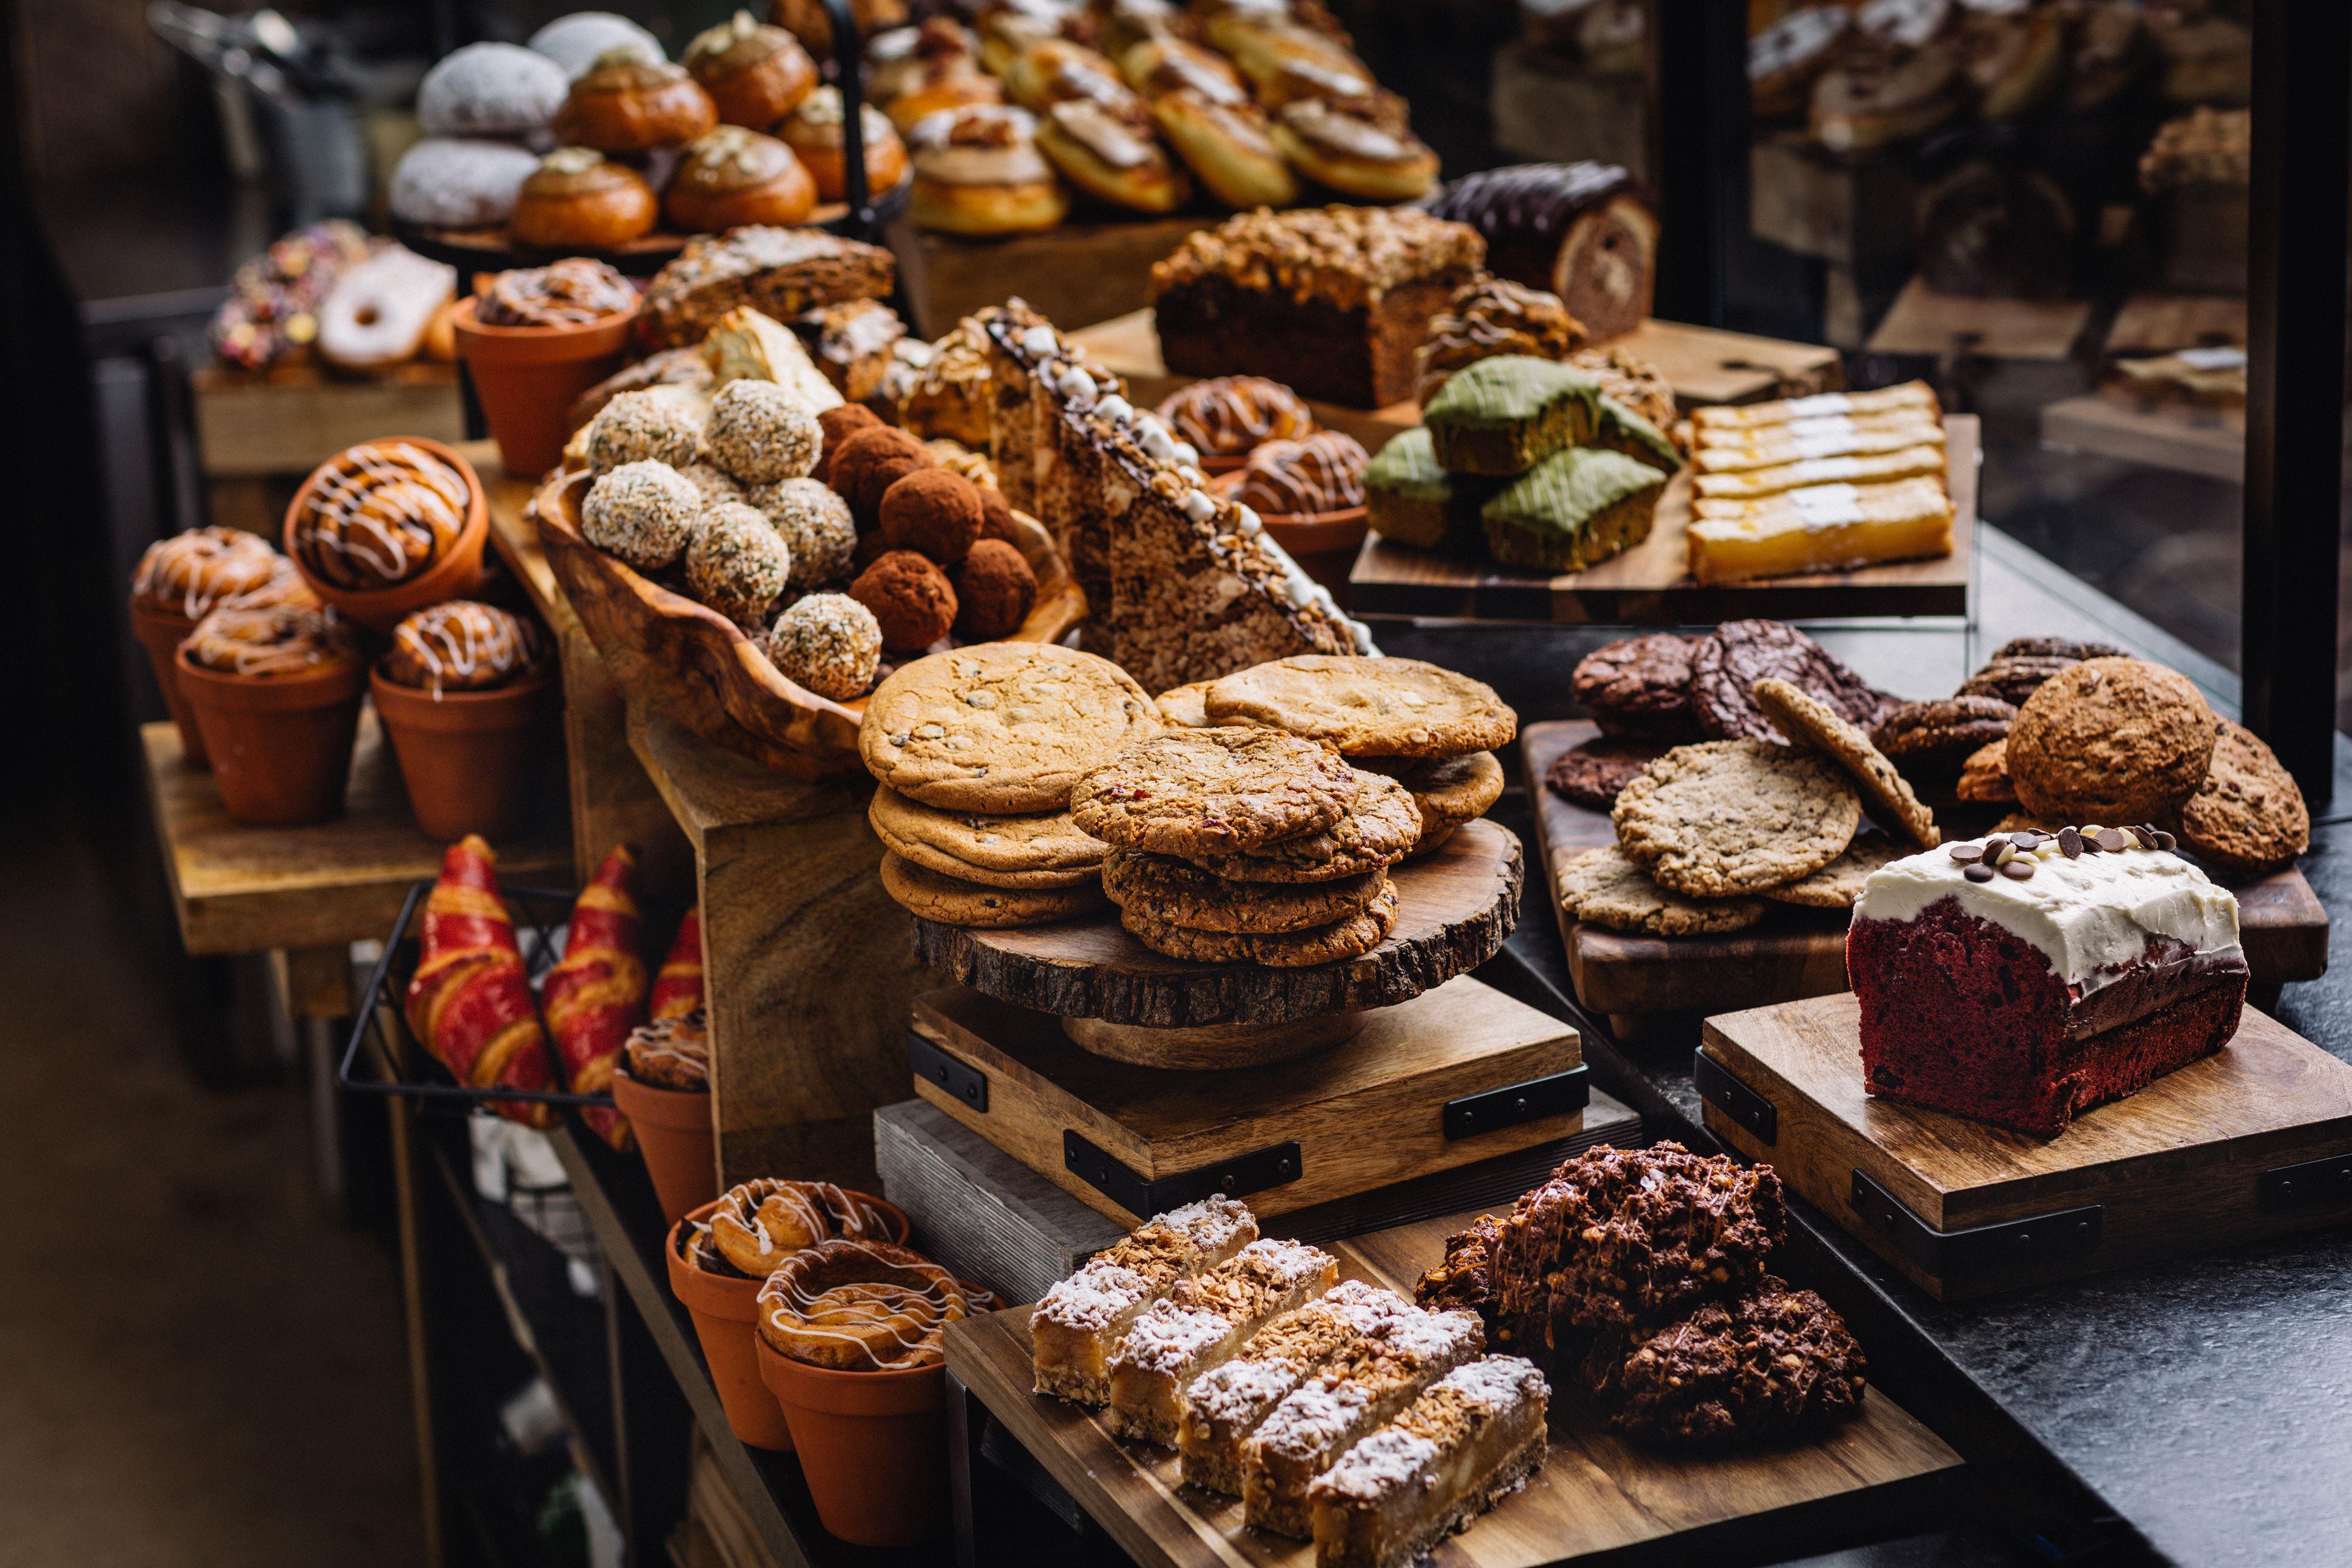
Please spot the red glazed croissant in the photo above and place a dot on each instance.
(596, 994)
(677, 989)
(469, 1002)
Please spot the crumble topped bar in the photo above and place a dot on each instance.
(1079, 1322)
(1346, 256)
(1202, 1322)
(1224, 1406)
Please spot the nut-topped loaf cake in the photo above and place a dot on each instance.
(2024, 978)
(1334, 301)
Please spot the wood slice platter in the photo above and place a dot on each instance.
(493, 249)
(2255, 1141)
(1793, 952)
(1650, 584)
(1456, 904)
(1289, 1134)
(1594, 1494)
(682, 659)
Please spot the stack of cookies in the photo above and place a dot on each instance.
(976, 751)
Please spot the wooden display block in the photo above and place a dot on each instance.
(1546, 110)
(2166, 323)
(2252, 1143)
(1396, 1101)
(1850, 209)
(1075, 275)
(1595, 1494)
(2093, 424)
(1922, 321)
(1792, 952)
(291, 420)
(1650, 584)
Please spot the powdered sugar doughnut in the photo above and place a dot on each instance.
(573, 42)
(491, 89)
(449, 182)
(379, 312)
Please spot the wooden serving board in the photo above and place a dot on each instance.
(2203, 1157)
(1398, 1075)
(1793, 952)
(1650, 584)
(1594, 1494)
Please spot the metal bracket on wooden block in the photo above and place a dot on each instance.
(1268, 1167)
(1719, 1088)
(2002, 1247)
(958, 1078)
(1554, 1094)
(2315, 1184)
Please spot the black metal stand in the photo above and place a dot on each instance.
(1698, 65)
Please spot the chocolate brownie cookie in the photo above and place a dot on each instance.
(1367, 706)
(2056, 648)
(1350, 938)
(2015, 679)
(1001, 727)
(1600, 886)
(1772, 1363)
(951, 901)
(1735, 816)
(1984, 777)
(1726, 667)
(1928, 740)
(1592, 774)
(1178, 893)
(1640, 688)
(1040, 851)
(2111, 740)
(1380, 827)
(2248, 814)
(1214, 792)
(1812, 723)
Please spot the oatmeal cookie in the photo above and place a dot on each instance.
(1930, 739)
(1773, 1363)
(1366, 706)
(1984, 777)
(949, 901)
(1350, 938)
(2248, 815)
(1452, 790)
(1213, 792)
(1382, 826)
(1884, 791)
(1727, 665)
(1603, 886)
(2111, 740)
(1045, 850)
(1178, 893)
(1184, 707)
(1640, 687)
(1001, 728)
(1735, 816)
(1837, 885)
(1591, 775)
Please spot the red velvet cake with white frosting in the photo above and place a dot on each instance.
(2024, 978)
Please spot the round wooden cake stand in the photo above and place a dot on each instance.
(1117, 998)
(494, 250)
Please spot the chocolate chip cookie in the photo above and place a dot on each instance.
(1591, 775)
(1810, 723)
(1181, 706)
(1736, 816)
(1222, 791)
(1001, 728)
(1040, 851)
(2248, 814)
(1366, 706)
(1380, 827)
(1603, 887)
(1640, 688)
(1984, 777)
(1930, 741)
(1838, 884)
(951, 901)
(1726, 667)
(2109, 740)
(1349, 938)
(1178, 893)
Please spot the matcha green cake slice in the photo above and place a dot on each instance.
(1576, 509)
(1620, 429)
(1502, 415)
(1409, 498)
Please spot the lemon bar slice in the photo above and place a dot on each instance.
(1201, 1323)
(1080, 1322)
(1826, 438)
(1916, 394)
(1821, 530)
(1911, 462)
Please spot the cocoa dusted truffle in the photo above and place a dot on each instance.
(839, 423)
(738, 564)
(933, 511)
(829, 642)
(994, 590)
(911, 599)
(996, 516)
(870, 463)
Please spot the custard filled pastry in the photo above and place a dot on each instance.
(1359, 147)
(578, 199)
(814, 131)
(934, 66)
(733, 177)
(1112, 156)
(863, 1306)
(1159, 65)
(1229, 146)
(380, 514)
(978, 171)
(756, 73)
(629, 104)
(760, 1223)
(1058, 71)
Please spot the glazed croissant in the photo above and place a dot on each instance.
(677, 989)
(469, 1002)
(596, 994)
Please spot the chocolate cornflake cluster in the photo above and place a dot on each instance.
(1658, 1250)
(2015, 855)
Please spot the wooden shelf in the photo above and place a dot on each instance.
(2103, 429)
(289, 420)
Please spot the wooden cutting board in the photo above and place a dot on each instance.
(1595, 1493)
(1792, 952)
(2252, 1142)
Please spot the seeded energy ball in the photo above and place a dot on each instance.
(738, 564)
(713, 482)
(643, 512)
(759, 433)
(815, 523)
(642, 426)
(829, 643)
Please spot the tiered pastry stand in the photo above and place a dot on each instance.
(1136, 1081)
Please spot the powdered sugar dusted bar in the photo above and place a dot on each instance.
(1200, 1323)
(1224, 1406)
(1472, 1439)
(1078, 1322)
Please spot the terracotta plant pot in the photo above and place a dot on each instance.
(726, 1315)
(674, 1134)
(873, 1446)
(453, 576)
(528, 376)
(161, 632)
(280, 745)
(468, 758)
